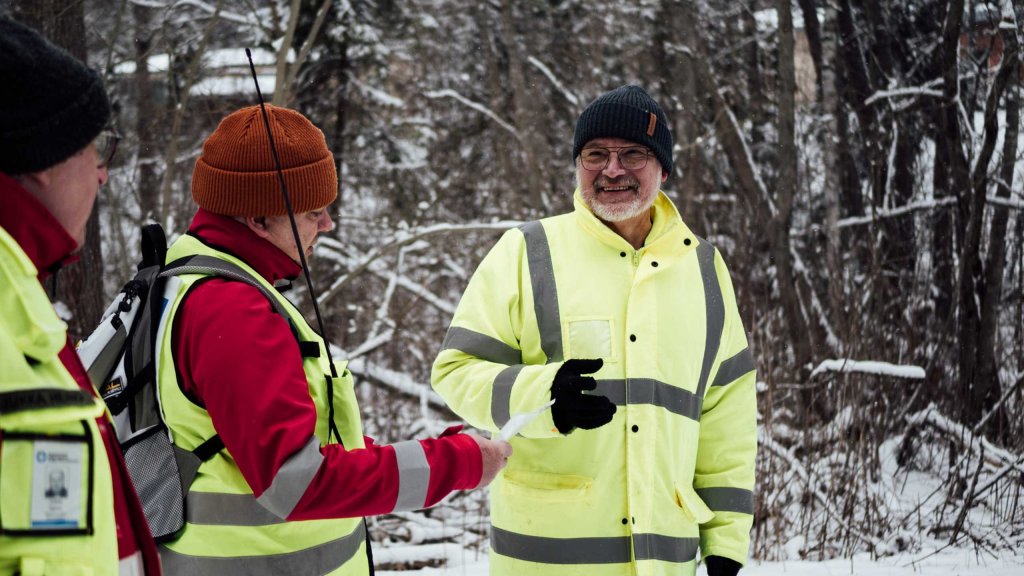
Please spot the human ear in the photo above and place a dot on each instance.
(258, 224)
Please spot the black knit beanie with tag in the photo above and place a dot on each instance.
(627, 112)
(51, 105)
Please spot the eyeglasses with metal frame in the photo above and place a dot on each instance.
(630, 157)
(106, 146)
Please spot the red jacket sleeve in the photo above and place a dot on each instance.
(238, 358)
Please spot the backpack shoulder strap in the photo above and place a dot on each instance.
(154, 246)
(212, 266)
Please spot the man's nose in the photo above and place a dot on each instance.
(614, 167)
(326, 224)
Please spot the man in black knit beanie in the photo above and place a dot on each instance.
(626, 320)
(54, 154)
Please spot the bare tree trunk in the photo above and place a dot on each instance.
(341, 108)
(145, 120)
(675, 68)
(982, 393)
(286, 74)
(833, 109)
(950, 170)
(995, 265)
(80, 285)
(759, 114)
(821, 55)
(852, 198)
(171, 155)
(786, 192)
(518, 97)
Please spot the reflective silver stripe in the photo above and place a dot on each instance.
(501, 394)
(649, 391)
(560, 550)
(545, 295)
(481, 346)
(292, 479)
(227, 510)
(715, 311)
(321, 559)
(734, 367)
(413, 475)
(665, 548)
(599, 550)
(728, 499)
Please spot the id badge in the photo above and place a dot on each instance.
(57, 485)
(45, 484)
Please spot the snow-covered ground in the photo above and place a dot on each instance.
(948, 562)
(450, 540)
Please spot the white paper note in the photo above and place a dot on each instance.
(519, 421)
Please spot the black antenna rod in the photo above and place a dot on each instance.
(291, 218)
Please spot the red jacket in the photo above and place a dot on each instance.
(49, 247)
(237, 357)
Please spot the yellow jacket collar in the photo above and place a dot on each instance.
(666, 226)
(36, 329)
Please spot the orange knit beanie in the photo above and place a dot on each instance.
(236, 176)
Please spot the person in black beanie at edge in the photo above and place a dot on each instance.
(54, 153)
(625, 318)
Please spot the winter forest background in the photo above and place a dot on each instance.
(857, 163)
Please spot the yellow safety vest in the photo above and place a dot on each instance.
(56, 492)
(228, 531)
(674, 469)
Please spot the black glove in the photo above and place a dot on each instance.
(573, 408)
(720, 566)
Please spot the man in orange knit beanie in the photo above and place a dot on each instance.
(287, 492)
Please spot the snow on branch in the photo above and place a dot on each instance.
(954, 430)
(397, 381)
(204, 6)
(372, 344)
(554, 81)
(475, 106)
(1009, 203)
(881, 214)
(420, 291)
(904, 92)
(904, 210)
(869, 367)
(404, 238)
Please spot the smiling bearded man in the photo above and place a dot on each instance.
(651, 458)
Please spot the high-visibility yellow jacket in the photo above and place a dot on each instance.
(288, 491)
(48, 433)
(228, 529)
(674, 469)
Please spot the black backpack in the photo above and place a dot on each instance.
(120, 356)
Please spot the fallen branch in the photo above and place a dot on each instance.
(966, 438)
(844, 365)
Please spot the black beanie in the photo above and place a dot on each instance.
(627, 112)
(51, 105)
